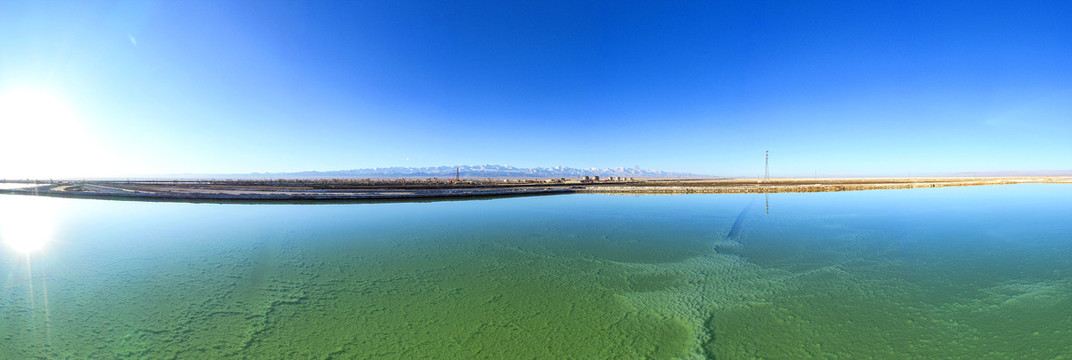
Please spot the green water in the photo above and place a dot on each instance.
(979, 273)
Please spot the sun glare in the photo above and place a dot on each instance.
(42, 137)
(25, 222)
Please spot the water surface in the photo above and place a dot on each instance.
(980, 272)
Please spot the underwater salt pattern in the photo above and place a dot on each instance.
(982, 272)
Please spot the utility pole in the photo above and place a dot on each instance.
(766, 165)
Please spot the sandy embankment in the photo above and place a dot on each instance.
(809, 185)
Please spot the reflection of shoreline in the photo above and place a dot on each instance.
(315, 192)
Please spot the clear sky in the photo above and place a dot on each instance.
(103, 88)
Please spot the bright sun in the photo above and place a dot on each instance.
(41, 136)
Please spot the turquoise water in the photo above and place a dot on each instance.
(978, 272)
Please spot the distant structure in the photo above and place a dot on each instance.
(458, 174)
(766, 165)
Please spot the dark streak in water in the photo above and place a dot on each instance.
(735, 231)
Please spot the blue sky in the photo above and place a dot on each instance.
(830, 88)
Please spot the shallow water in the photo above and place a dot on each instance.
(979, 272)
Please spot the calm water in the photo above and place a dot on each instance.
(981, 272)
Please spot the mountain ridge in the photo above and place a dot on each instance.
(480, 171)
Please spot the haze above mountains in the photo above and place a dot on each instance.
(512, 172)
(467, 171)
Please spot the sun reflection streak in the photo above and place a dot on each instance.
(48, 318)
(26, 225)
(29, 279)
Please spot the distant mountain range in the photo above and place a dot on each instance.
(474, 171)
(510, 172)
(1014, 173)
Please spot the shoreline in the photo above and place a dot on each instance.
(336, 191)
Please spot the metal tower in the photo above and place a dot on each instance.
(766, 165)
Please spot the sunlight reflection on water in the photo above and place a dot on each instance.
(26, 223)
